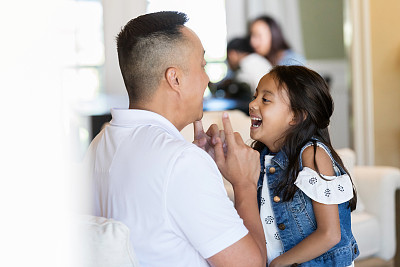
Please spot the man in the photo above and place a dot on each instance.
(248, 67)
(167, 191)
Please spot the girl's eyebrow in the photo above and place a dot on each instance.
(264, 91)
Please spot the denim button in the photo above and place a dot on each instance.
(272, 170)
(277, 199)
(281, 226)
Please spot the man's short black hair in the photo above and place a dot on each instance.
(240, 44)
(147, 46)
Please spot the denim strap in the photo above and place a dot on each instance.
(263, 153)
(337, 169)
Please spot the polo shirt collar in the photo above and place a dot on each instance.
(133, 117)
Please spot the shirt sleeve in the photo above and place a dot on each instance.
(198, 205)
(325, 189)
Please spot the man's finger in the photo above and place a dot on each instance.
(238, 138)
(198, 129)
(222, 135)
(219, 153)
(213, 132)
(230, 139)
(201, 142)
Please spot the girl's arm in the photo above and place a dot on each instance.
(327, 233)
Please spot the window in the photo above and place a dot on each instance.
(81, 38)
(207, 19)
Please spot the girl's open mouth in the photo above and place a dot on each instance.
(256, 122)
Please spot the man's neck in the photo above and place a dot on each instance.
(165, 107)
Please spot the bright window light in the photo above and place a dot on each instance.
(207, 18)
(81, 40)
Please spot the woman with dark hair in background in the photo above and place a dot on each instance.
(267, 40)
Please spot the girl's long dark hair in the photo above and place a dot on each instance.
(312, 106)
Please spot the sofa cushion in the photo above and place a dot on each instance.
(103, 242)
(349, 158)
(365, 229)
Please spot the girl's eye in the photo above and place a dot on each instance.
(265, 100)
(254, 97)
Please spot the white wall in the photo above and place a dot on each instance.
(116, 13)
(236, 17)
(338, 71)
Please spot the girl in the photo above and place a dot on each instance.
(305, 193)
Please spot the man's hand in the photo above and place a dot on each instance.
(208, 140)
(240, 164)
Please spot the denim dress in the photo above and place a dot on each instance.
(295, 219)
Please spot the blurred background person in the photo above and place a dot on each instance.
(247, 66)
(267, 39)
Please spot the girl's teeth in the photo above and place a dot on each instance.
(256, 122)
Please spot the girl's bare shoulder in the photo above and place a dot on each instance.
(322, 158)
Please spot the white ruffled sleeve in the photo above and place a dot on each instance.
(330, 190)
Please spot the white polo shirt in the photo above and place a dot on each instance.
(168, 192)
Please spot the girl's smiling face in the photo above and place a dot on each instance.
(270, 113)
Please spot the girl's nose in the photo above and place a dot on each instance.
(252, 105)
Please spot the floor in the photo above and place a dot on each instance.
(374, 262)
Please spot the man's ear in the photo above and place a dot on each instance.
(173, 78)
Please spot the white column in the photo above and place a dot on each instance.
(361, 68)
(236, 18)
(116, 13)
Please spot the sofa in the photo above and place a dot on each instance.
(374, 221)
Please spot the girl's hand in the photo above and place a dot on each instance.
(275, 263)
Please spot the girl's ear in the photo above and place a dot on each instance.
(293, 122)
(298, 118)
(294, 119)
